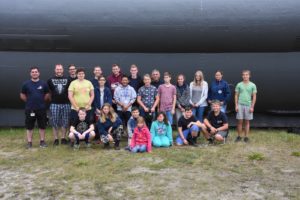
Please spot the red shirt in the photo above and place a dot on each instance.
(141, 136)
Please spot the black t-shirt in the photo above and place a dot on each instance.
(217, 121)
(59, 89)
(183, 122)
(81, 126)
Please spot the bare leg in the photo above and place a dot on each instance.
(240, 127)
(42, 134)
(247, 127)
(55, 132)
(29, 134)
(63, 132)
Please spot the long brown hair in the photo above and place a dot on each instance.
(111, 114)
(166, 122)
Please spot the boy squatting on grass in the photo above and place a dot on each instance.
(81, 129)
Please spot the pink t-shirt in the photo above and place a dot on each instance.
(166, 95)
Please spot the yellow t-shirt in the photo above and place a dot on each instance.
(81, 92)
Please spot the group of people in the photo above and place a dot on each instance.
(143, 107)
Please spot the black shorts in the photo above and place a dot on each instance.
(35, 115)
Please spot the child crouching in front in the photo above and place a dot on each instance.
(141, 138)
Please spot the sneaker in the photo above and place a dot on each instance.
(117, 148)
(43, 144)
(63, 141)
(56, 142)
(29, 145)
(238, 139)
(71, 144)
(211, 139)
(88, 145)
(76, 146)
(127, 148)
(246, 139)
(106, 146)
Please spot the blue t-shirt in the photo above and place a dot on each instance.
(35, 93)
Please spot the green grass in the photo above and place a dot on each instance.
(266, 168)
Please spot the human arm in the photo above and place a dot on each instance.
(169, 134)
(253, 102)
(149, 141)
(203, 94)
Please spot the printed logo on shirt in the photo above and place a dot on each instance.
(220, 91)
(60, 85)
(40, 87)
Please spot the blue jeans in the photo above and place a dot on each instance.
(223, 108)
(169, 116)
(198, 112)
(185, 133)
(139, 148)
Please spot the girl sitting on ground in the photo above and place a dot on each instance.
(141, 139)
(161, 131)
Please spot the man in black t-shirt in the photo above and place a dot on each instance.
(216, 124)
(188, 128)
(60, 106)
(81, 129)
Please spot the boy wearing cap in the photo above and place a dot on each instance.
(188, 128)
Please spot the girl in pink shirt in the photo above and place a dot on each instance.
(141, 139)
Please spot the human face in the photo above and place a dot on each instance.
(180, 80)
(198, 77)
(188, 114)
(35, 74)
(160, 118)
(81, 115)
(218, 76)
(116, 70)
(105, 110)
(246, 76)
(133, 71)
(216, 107)
(80, 75)
(155, 76)
(135, 114)
(72, 70)
(140, 125)
(102, 81)
(97, 71)
(167, 79)
(147, 81)
(125, 81)
(59, 70)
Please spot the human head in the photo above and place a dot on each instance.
(161, 117)
(167, 77)
(134, 70)
(155, 75)
(34, 73)
(115, 69)
(216, 105)
(101, 81)
(140, 122)
(59, 70)
(135, 113)
(198, 78)
(180, 79)
(82, 114)
(147, 79)
(246, 75)
(218, 75)
(97, 71)
(125, 81)
(188, 112)
(80, 73)
(106, 108)
(72, 70)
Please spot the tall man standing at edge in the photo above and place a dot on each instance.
(60, 106)
(245, 99)
(35, 93)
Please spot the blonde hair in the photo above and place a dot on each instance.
(140, 120)
(198, 73)
(111, 114)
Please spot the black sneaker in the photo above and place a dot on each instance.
(117, 148)
(246, 139)
(29, 145)
(71, 144)
(238, 139)
(43, 144)
(106, 146)
(56, 142)
(63, 141)
(127, 148)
